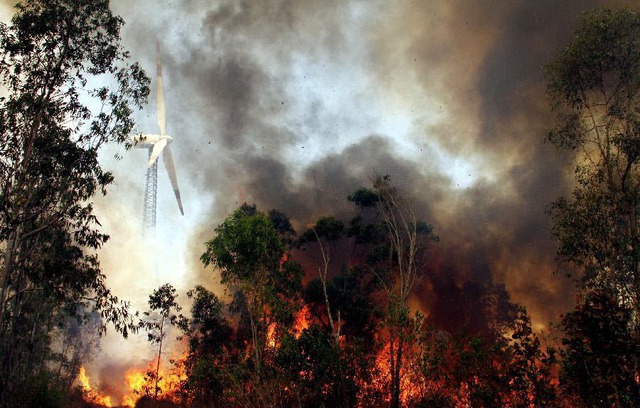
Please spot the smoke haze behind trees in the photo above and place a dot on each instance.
(293, 104)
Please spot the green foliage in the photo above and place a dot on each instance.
(52, 124)
(250, 252)
(595, 87)
(163, 303)
(601, 59)
(245, 246)
(207, 330)
(601, 354)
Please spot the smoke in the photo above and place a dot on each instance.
(292, 105)
(295, 104)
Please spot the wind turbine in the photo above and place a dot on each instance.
(156, 144)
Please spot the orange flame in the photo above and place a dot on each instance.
(413, 386)
(90, 394)
(139, 383)
(283, 259)
(271, 336)
(301, 321)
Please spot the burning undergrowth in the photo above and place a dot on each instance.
(470, 153)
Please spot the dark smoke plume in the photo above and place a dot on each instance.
(248, 110)
(294, 104)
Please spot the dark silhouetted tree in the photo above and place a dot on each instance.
(210, 338)
(53, 122)
(594, 84)
(600, 352)
(397, 260)
(158, 321)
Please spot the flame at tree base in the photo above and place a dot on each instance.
(89, 394)
(140, 382)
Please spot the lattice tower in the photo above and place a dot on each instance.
(150, 199)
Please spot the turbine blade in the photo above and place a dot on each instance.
(162, 118)
(167, 158)
(157, 149)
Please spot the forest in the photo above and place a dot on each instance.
(328, 315)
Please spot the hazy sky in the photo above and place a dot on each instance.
(294, 104)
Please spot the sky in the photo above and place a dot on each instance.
(293, 104)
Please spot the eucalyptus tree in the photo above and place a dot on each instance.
(249, 248)
(158, 321)
(595, 88)
(53, 121)
(397, 260)
(594, 84)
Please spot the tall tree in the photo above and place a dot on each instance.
(210, 337)
(326, 232)
(157, 322)
(595, 87)
(52, 124)
(594, 84)
(251, 254)
(398, 263)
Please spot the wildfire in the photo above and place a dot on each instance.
(135, 380)
(140, 381)
(271, 336)
(301, 322)
(90, 394)
(413, 386)
(410, 390)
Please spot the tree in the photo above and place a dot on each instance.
(251, 255)
(339, 345)
(209, 336)
(600, 353)
(52, 125)
(326, 231)
(594, 84)
(595, 87)
(397, 263)
(317, 372)
(163, 304)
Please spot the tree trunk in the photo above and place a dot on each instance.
(159, 356)
(395, 352)
(8, 272)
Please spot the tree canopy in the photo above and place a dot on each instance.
(53, 121)
(594, 84)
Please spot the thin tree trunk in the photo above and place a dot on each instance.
(159, 356)
(256, 346)
(8, 274)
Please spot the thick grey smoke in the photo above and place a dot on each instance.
(294, 104)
